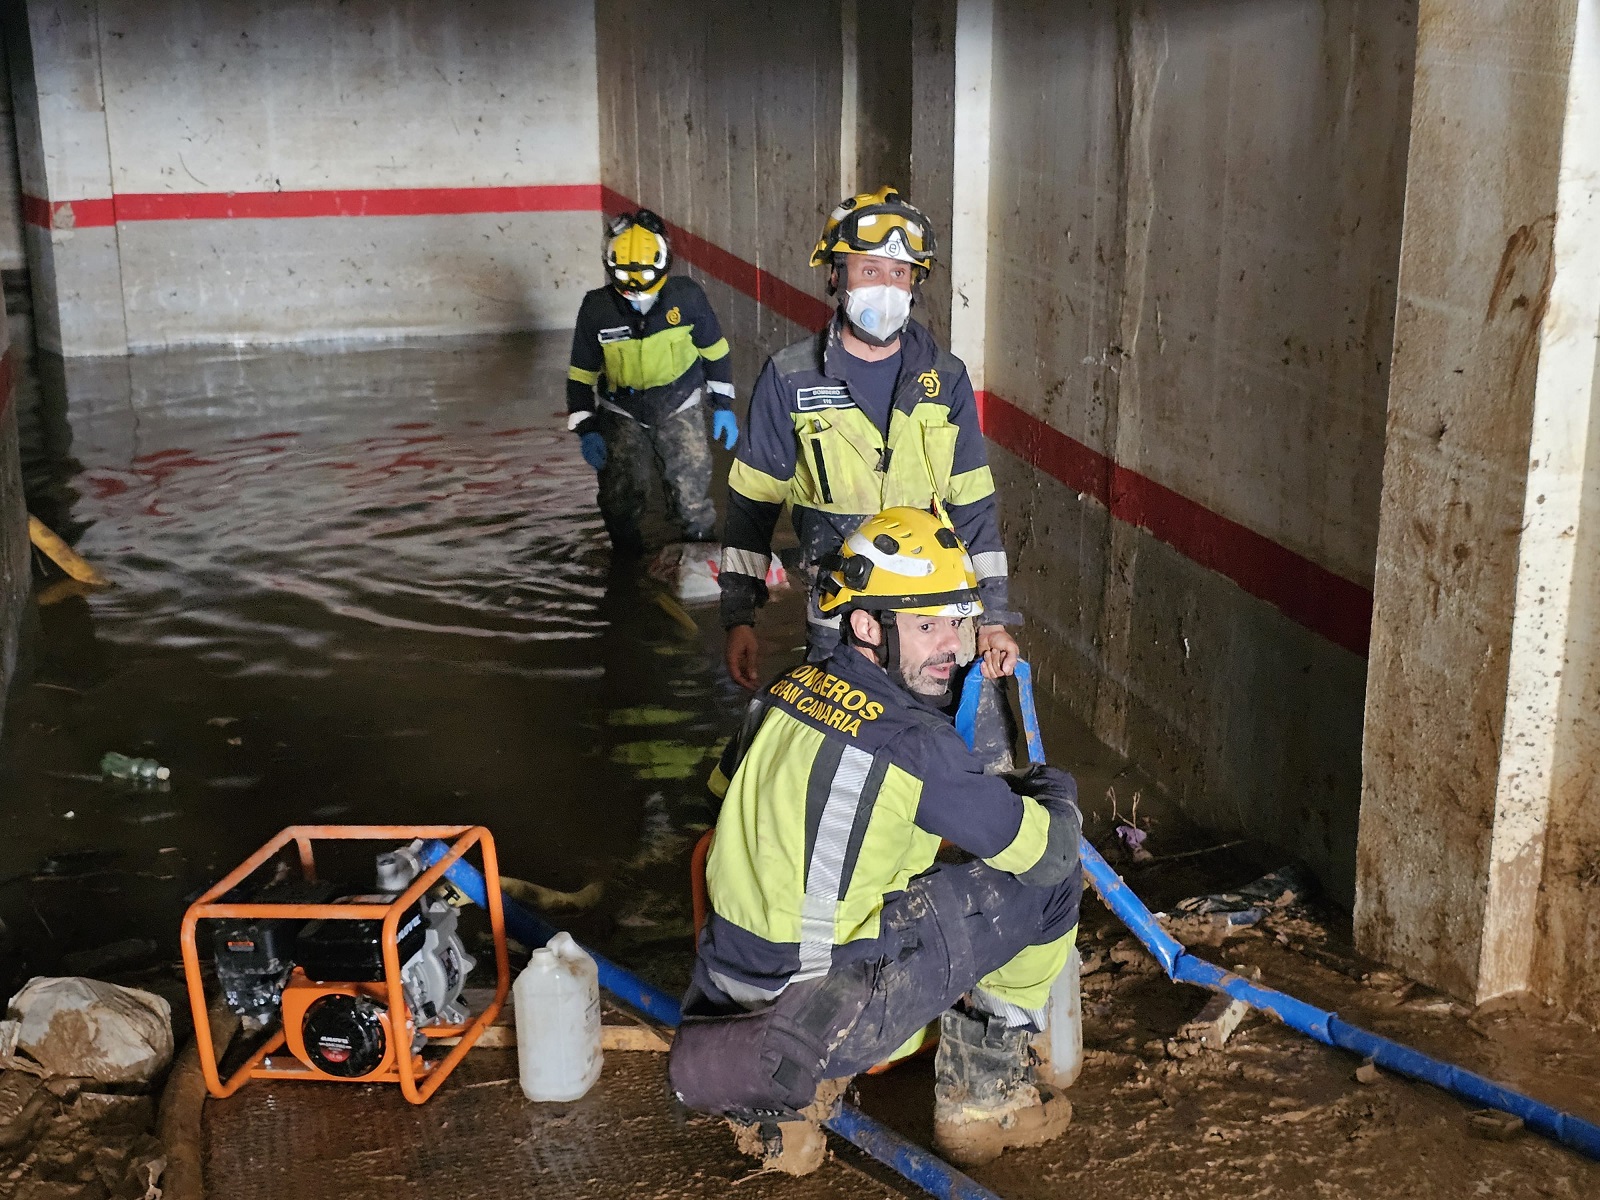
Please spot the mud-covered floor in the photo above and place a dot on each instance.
(369, 585)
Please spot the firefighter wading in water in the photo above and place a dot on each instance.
(866, 415)
(647, 349)
(834, 936)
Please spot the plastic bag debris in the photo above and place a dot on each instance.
(86, 1028)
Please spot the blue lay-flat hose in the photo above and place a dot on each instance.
(1326, 1027)
(929, 1172)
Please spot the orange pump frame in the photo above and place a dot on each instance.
(418, 1080)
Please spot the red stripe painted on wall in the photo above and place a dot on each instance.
(360, 202)
(761, 286)
(1312, 595)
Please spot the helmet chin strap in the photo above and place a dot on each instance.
(888, 648)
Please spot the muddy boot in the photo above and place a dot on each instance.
(984, 1098)
(793, 1147)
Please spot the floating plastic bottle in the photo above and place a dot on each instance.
(557, 1000)
(1060, 1043)
(135, 770)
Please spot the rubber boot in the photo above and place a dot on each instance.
(985, 1100)
(792, 1147)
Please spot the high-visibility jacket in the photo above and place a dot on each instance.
(811, 447)
(646, 365)
(834, 795)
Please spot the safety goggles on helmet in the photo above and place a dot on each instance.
(902, 560)
(878, 223)
(638, 256)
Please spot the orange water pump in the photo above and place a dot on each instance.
(356, 984)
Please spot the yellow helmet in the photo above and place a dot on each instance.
(902, 560)
(638, 255)
(879, 223)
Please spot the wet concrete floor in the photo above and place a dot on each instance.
(369, 585)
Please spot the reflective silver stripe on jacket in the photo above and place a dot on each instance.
(825, 870)
(990, 564)
(745, 562)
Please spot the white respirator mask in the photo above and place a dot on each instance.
(642, 302)
(878, 312)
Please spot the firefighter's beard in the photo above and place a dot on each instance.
(929, 678)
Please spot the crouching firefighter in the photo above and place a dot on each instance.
(646, 351)
(834, 936)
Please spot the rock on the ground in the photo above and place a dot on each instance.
(86, 1028)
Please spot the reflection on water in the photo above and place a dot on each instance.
(366, 585)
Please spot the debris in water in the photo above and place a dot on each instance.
(675, 610)
(132, 770)
(549, 899)
(221, 722)
(1368, 1072)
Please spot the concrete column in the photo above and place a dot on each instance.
(64, 159)
(933, 74)
(1478, 836)
(969, 234)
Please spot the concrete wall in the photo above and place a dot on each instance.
(726, 120)
(1194, 230)
(931, 184)
(13, 257)
(155, 112)
(16, 579)
(1479, 833)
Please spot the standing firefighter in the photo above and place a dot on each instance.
(867, 414)
(834, 936)
(647, 348)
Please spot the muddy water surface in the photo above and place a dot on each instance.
(351, 586)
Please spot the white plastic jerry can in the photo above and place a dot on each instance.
(557, 1001)
(1060, 1043)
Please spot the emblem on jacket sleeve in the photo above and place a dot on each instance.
(674, 315)
(930, 383)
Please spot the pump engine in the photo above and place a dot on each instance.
(326, 977)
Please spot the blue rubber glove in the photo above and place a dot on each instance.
(593, 449)
(725, 427)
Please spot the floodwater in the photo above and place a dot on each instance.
(351, 586)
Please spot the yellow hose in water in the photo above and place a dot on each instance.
(63, 555)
